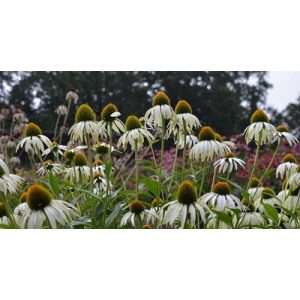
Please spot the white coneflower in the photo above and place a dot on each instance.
(42, 209)
(294, 180)
(135, 134)
(292, 200)
(288, 167)
(102, 149)
(281, 132)
(160, 111)
(251, 218)
(61, 110)
(268, 196)
(184, 117)
(230, 144)
(99, 166)
(215, 223)
(19, 117)
(137, 213)
(157, 214)
(100, 183)
(34, 141)
(221, 197)
(9, 183)
(185, 207)
(255, 189)
(260, 130)
(191, 140)
(50, 166)
(208, 148)
(229, 162)
(55, 149)
(72, 96)
(110, 121)
(85, 124)
(80, 171)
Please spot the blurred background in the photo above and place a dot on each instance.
(224, 100)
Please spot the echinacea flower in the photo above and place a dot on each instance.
(160, 111)
(56, 149)
(43, 209)
(292, 200)
(229, 162)
(255, 189)
(61, 110)
(268, 196)
(251, 218)
(5, 218)
(99, 166)
(185, 207)
(72, 96)
(288, 167)
(110, 120)
(100, 183)
(103, 148)
(260, 130)
(137, 213)
(15, 160)
(158, 213)
(184, 117)
(34, 141)
(80, 171)
(135, 134)
(208, 148)
(50, 166)
(221, 197)
(9, 183)
(281, 132)
(23, 204)
(70, 153)
(294, 180)
(85, 124)
(191, 140)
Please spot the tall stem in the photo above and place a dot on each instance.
(162, 149)
(56, 125)
(136, 167)
(203, 176)
(214, 179)
(175, 159)
(90, 158)
(184, 149)
(65, 122)
(254, 164)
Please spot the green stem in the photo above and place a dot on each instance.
(203, 176)
(9, 210)
(184, 149)
(175, 160)
(136, 167)
(162, 150)
(90, 159)
(65, 122)
(56, 125)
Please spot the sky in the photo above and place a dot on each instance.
(286, 88)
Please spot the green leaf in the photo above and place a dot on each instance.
(245, 195)
(224, 217)
(271, 211)
(152, 185)
(113, 215)
(53, 183)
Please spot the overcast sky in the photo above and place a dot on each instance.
(286, 88)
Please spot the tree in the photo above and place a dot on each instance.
(292, 116)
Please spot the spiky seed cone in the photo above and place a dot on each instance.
(222, 188)
(136, 207)
(102, 148)
(161, 98)
(98, 175)
(249, 203)
(38, 197)
(186, 193)
(23, 197)
(132, 122)
(3, 211)
(295, 192)
(282, 128)
(289, 158)
(147, 226)
(218, 137)
(183, 107)
(32, 129)
(84, 113)
(69, 155)
(1, 172)
(254, 182)
(80, 159)
(259, 116)
(267, 193)
(206, 134)
(107, 111)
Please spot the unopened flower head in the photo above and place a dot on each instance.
(72, 96)
(61, 110)
(260, 130)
